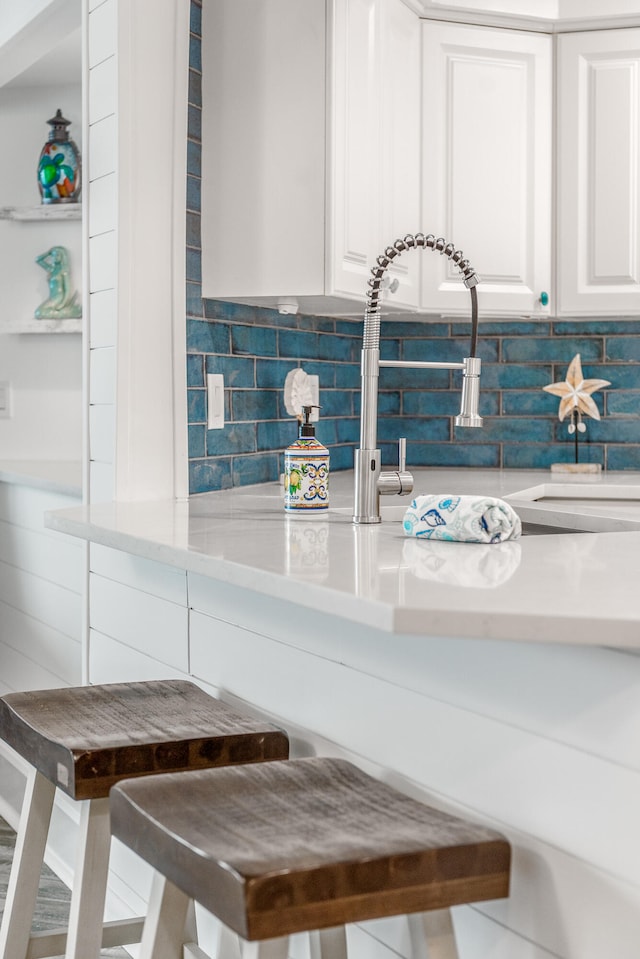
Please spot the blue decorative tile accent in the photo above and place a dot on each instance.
(529, 403)
(203, 337)
(238, 371)
(194, 266)
(341, 458)
(503, 429)
(444, 403)
(551, 350)
(193, 228)
(608, 431)
(205, 475)
(297, 344)
(196, 441)
(254, 340)
(514, 376)
(388, 402)
(195, 89)
(347, 377)
(254, 405)
(194, 123)
(503, 328)
(195, 53)
(194, 194)
(259, 468)
(625, 348)
(197, 408)
(596, 327)
(451, 454)
(195, 370)
(195, 18)
(193, 301)
(432, 429)
(623, 458)
(194, 158)
(276, 434)
(623, 403)
(234, 438)
(347, 431)
(405, 330)
(531, 457)
(271, 374)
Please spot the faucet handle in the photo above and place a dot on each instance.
(398, 482)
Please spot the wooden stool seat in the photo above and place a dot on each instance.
(84, 739)
(306, 844)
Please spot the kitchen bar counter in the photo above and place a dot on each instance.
(569, 588)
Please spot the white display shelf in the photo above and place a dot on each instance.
(51, 211)
(43, 326)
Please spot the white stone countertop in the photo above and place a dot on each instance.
(572, 588)
(53, 475)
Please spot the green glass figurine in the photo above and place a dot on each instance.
(62, 301)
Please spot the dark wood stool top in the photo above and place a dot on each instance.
(86, 738)
(291, 846)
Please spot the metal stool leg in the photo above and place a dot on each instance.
(26, 866)
(432, 935)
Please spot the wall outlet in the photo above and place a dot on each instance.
(5, 401)
(215, 401)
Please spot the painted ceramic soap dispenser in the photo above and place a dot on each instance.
(306, 472)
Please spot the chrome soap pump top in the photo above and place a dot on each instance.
(306, 471)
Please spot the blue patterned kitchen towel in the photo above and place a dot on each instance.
(462, 519)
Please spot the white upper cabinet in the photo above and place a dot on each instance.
(599, 173)
(487, 166)
(310, 149)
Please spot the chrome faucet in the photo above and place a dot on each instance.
(370, 481)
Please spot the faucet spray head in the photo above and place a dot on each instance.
(468, 415)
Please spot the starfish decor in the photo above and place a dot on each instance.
(576, 397)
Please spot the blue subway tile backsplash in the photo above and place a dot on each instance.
(255, 348)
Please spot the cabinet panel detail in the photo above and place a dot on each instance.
(487, 165)
(599, 173)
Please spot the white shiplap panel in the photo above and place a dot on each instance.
(102, 90)
(103, 319)
(102, 33)
(101, 482)
(41, 643)
(558, 794)
(102, 148)
(115, 662)
(102, 431)
(103, 214)
(167, 582)
(25, 506)
(103, 256)
(19, 672)
(47, 602)
(153, 626)
(59, 561)
(102, 372)
(588, 698)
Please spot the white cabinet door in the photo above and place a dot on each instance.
(487, 166)
(374, 150)
(309, 149)
(599, 173)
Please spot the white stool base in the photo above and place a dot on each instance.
(86, 933)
